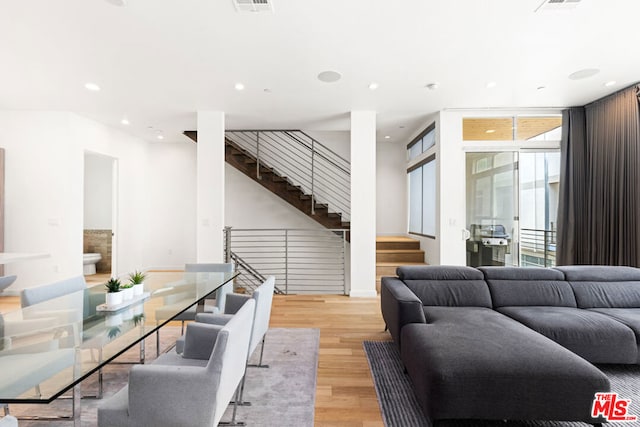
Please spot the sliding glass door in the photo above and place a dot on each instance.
(492, 208)
(512, 202)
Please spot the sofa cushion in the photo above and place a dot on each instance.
(604, 286)
(475, 363)
(593, 336)
(628, 316)
(528, 286)
(446, 285)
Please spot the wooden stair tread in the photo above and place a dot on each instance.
(399, 251)
(397, 263)
(394, 239)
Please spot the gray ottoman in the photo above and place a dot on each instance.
(475, 363)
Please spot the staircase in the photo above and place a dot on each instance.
(394, 251)
(239, 154)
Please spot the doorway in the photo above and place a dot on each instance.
(99, 230)
(511, 207)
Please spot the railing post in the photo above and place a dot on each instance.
(227, 244)
(313, 157)
(258, 155)
(286, 262)
(344, 262)
(546, 245)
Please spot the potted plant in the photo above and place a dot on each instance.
(137, 280)
(127, 291)
(114, 295)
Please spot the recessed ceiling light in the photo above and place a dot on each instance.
(401, 127)
(160, 136)
(266, 90)
(117, 2)
(610, 83)
(491, 85)
(583, 74)
(329, 76)
(541, 87)
(239, 86)
(433, 86)
(124, 121)
(92, 87)
(373, 86)
(490, 130)
(387, 137)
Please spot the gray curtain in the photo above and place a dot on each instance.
(599, 211)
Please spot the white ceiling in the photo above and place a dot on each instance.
(160, 61)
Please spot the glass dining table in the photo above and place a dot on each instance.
(48, 349)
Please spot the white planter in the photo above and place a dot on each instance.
(114, 298)
(127, 294)
(138, 289)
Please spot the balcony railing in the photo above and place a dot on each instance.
(537, 247)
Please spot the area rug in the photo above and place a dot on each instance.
(281, 395)
(400, 407)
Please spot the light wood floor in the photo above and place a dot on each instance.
(345, 395)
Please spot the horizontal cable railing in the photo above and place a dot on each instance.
(302, 260)
(538, 247)
(319, 171)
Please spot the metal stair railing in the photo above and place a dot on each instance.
(250, 278)
(302, 260)
(318, 170)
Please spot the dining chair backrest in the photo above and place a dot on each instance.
(6, 281)
(229, 356)
(37, 294)
(209, 267)
(264, 298)
(221, 293)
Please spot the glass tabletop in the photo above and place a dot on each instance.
(47, 348)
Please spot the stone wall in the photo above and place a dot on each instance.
(99, 241)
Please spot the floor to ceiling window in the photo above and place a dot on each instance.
(512, 189)
(422, 184)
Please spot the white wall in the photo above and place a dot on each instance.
(250, 205)
(452, 190)
(44, 195)
(171, 204)
(391, 189)
(98, 191)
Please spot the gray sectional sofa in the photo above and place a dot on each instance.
(505, 343)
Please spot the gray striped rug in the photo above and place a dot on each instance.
(400, 408)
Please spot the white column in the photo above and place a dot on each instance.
(363, 204)
(210, 187)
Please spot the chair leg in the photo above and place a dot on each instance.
(158, 342)
(260, 365)
(182, 330)
(233, 421)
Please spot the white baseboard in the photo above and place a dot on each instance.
(357, 293)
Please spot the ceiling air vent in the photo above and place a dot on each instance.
(558, 5)
(253, 5)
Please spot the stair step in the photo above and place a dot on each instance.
(401, 255)
(396, 242)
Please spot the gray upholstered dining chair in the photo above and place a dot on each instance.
(210, 306)
(6, 281)
(263, 296)
(193, 390)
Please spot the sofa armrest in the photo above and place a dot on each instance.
(399, 305)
